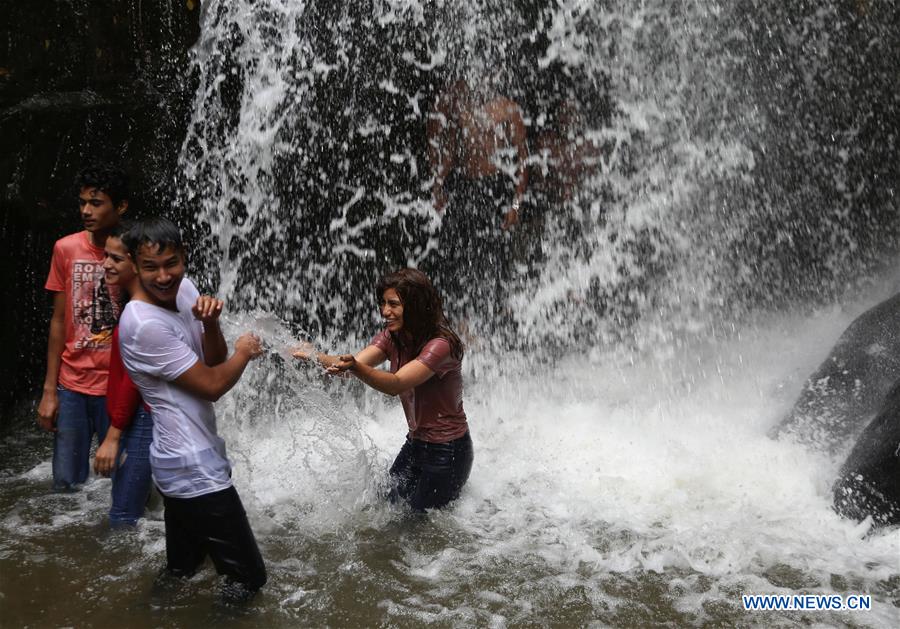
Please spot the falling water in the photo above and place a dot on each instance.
(657, 320)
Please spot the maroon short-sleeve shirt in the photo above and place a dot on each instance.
(434, 409)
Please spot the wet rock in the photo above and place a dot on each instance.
(869, 483)
(80, 80)
(850, 386)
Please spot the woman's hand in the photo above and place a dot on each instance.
(331, 364)
(105, 459)
(342, 364)
(304, 351)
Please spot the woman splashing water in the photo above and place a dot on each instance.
(426, 373)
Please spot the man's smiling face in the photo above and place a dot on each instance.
(161, 272)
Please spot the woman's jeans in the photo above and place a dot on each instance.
(429, 475)
(131, 479)
(80, 417)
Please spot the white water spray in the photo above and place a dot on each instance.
(636, 445)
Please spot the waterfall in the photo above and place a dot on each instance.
(710, 202)
(658, 314)
(720, 187)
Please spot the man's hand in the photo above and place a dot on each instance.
(105, 459)
(207, 309)
(250, 344)
(510, 219)
(344, 363)
(48, 409)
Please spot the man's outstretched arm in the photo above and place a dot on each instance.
(211, 383)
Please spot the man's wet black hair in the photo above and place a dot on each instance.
(157, 231)
(105, 178)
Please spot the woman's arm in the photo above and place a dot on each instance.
(122, 400)
(371, 356)
(410, 375)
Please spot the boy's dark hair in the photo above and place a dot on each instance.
(157, 231)
(109, 179)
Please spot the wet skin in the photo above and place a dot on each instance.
(392, 310)
(119, 269)
(160, 272)
(98, 213)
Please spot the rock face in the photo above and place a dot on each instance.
(859, 380)
(80, 80)
(850, 387)
(869, 483)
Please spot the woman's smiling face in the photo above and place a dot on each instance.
(392, 310)
(117, 265)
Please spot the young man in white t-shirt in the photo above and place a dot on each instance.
(174, 351)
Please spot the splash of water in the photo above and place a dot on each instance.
(644, 451)
(305, 160)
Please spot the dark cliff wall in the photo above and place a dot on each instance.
(79, 80)
(826, 77)
(86, 79)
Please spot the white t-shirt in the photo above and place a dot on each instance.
(187, 457)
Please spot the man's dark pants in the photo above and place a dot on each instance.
(216, 525)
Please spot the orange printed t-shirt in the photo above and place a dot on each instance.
(91, 313)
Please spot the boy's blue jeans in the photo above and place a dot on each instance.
(80, 417)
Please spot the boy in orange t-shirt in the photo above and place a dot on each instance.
(85, 311)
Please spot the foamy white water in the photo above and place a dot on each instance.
(623, 474)
(586, 471)
(621, 491)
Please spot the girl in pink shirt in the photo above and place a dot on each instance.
(425, 357)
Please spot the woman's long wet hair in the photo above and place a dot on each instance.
(423, 311)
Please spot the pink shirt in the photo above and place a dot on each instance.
(434, 409)
(91, 313)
